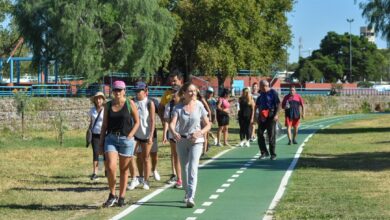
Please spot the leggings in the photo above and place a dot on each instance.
(244, 128)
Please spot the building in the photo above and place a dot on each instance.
(369, 34)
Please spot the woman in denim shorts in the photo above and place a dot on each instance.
(120, 123)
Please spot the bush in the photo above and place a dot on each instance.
(366, 107)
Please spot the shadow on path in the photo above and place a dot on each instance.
(50, 207)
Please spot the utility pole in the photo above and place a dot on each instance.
(350, 20)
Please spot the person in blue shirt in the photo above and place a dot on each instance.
(268, 105)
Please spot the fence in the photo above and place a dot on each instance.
(62, 90)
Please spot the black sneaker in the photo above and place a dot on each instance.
(263, 156)
(273, 157)
(295, 142)
(173, 179)
(94, 177)
(110, 201)
(121, 202)
(289, 142)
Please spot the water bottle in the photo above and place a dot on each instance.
(100, 162)
(287, 105)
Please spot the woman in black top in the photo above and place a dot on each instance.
(120, 123)
(245, 116)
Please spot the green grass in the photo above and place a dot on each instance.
(41, 180)
(343, 173)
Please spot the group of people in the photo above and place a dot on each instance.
(124, 127)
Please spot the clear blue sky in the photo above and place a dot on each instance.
(313, 19)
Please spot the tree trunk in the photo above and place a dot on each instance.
(22, 124)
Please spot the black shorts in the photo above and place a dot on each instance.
(223, 119)
(141, 140)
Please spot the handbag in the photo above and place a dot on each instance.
(88, 136)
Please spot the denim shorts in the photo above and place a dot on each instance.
(120, 144)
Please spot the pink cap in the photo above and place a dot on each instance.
(119, 85)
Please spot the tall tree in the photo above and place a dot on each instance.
(94, 37)
(377, 12)
(218, 37)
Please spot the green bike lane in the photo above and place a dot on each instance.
(235, 185)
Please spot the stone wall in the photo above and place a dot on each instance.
(75, 110)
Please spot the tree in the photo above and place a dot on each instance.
(332, 59)
(218, 37)
(377, 12)
(92, 38)
(307, 71)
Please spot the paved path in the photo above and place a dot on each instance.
(236, 185)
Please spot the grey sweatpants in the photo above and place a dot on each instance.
(189, 155)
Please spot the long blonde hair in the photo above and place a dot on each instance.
(246, 96)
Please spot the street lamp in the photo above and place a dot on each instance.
(350, 20)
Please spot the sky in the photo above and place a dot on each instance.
(311, 20)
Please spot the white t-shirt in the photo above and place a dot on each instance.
(143, 130)
(93, 113)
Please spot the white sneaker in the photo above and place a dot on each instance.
(156, 175)
(134, 183)
(146, 185)
(190, 203)
(247, 144)
(242, 143)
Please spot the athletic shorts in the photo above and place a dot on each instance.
(291, 122)
(120, 144)
(223, 119)
(154, 146)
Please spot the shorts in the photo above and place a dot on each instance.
(291, 122)
(154, 146)
(222, 119)
(120, 144)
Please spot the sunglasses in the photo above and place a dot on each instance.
(117, 90)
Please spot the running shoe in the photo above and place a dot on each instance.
(242, 143)
(110, 201)
(295, 142)
(289, 142)
(190, 203)
(263, 156)
(273, 157)
(173, 179)
(146, 185)
(156, 175)
(121, 202)
(134, 183)
(179, 184)
(94, 177)
(247, 144)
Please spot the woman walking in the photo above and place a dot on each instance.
(120, 123)
(246, 116)
(167, 136)
(95, 125)
(186, 129)
(223, 110)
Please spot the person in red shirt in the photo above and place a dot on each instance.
(291, 104)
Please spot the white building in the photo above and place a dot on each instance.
(368, 33)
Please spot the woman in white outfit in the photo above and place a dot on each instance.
(186, 129)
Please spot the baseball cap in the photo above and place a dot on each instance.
(119, 85)
(210, 89)
(140, 86)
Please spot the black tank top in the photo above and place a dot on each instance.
(120, 121)
(245, 109)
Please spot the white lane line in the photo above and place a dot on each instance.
(283, 184)
(207, 203)
(235, 175)
(158, 191)
(199, 211)
(220, 190)
(247, 165)
(214, 196)
(191, 218)
(253, 159)
(226, 185)
(239, 171)
(231, 180)
(243, 168)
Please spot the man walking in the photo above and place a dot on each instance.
(268, 104)
(291, 104)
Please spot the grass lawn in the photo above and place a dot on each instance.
(343, 173)
(41, 180)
